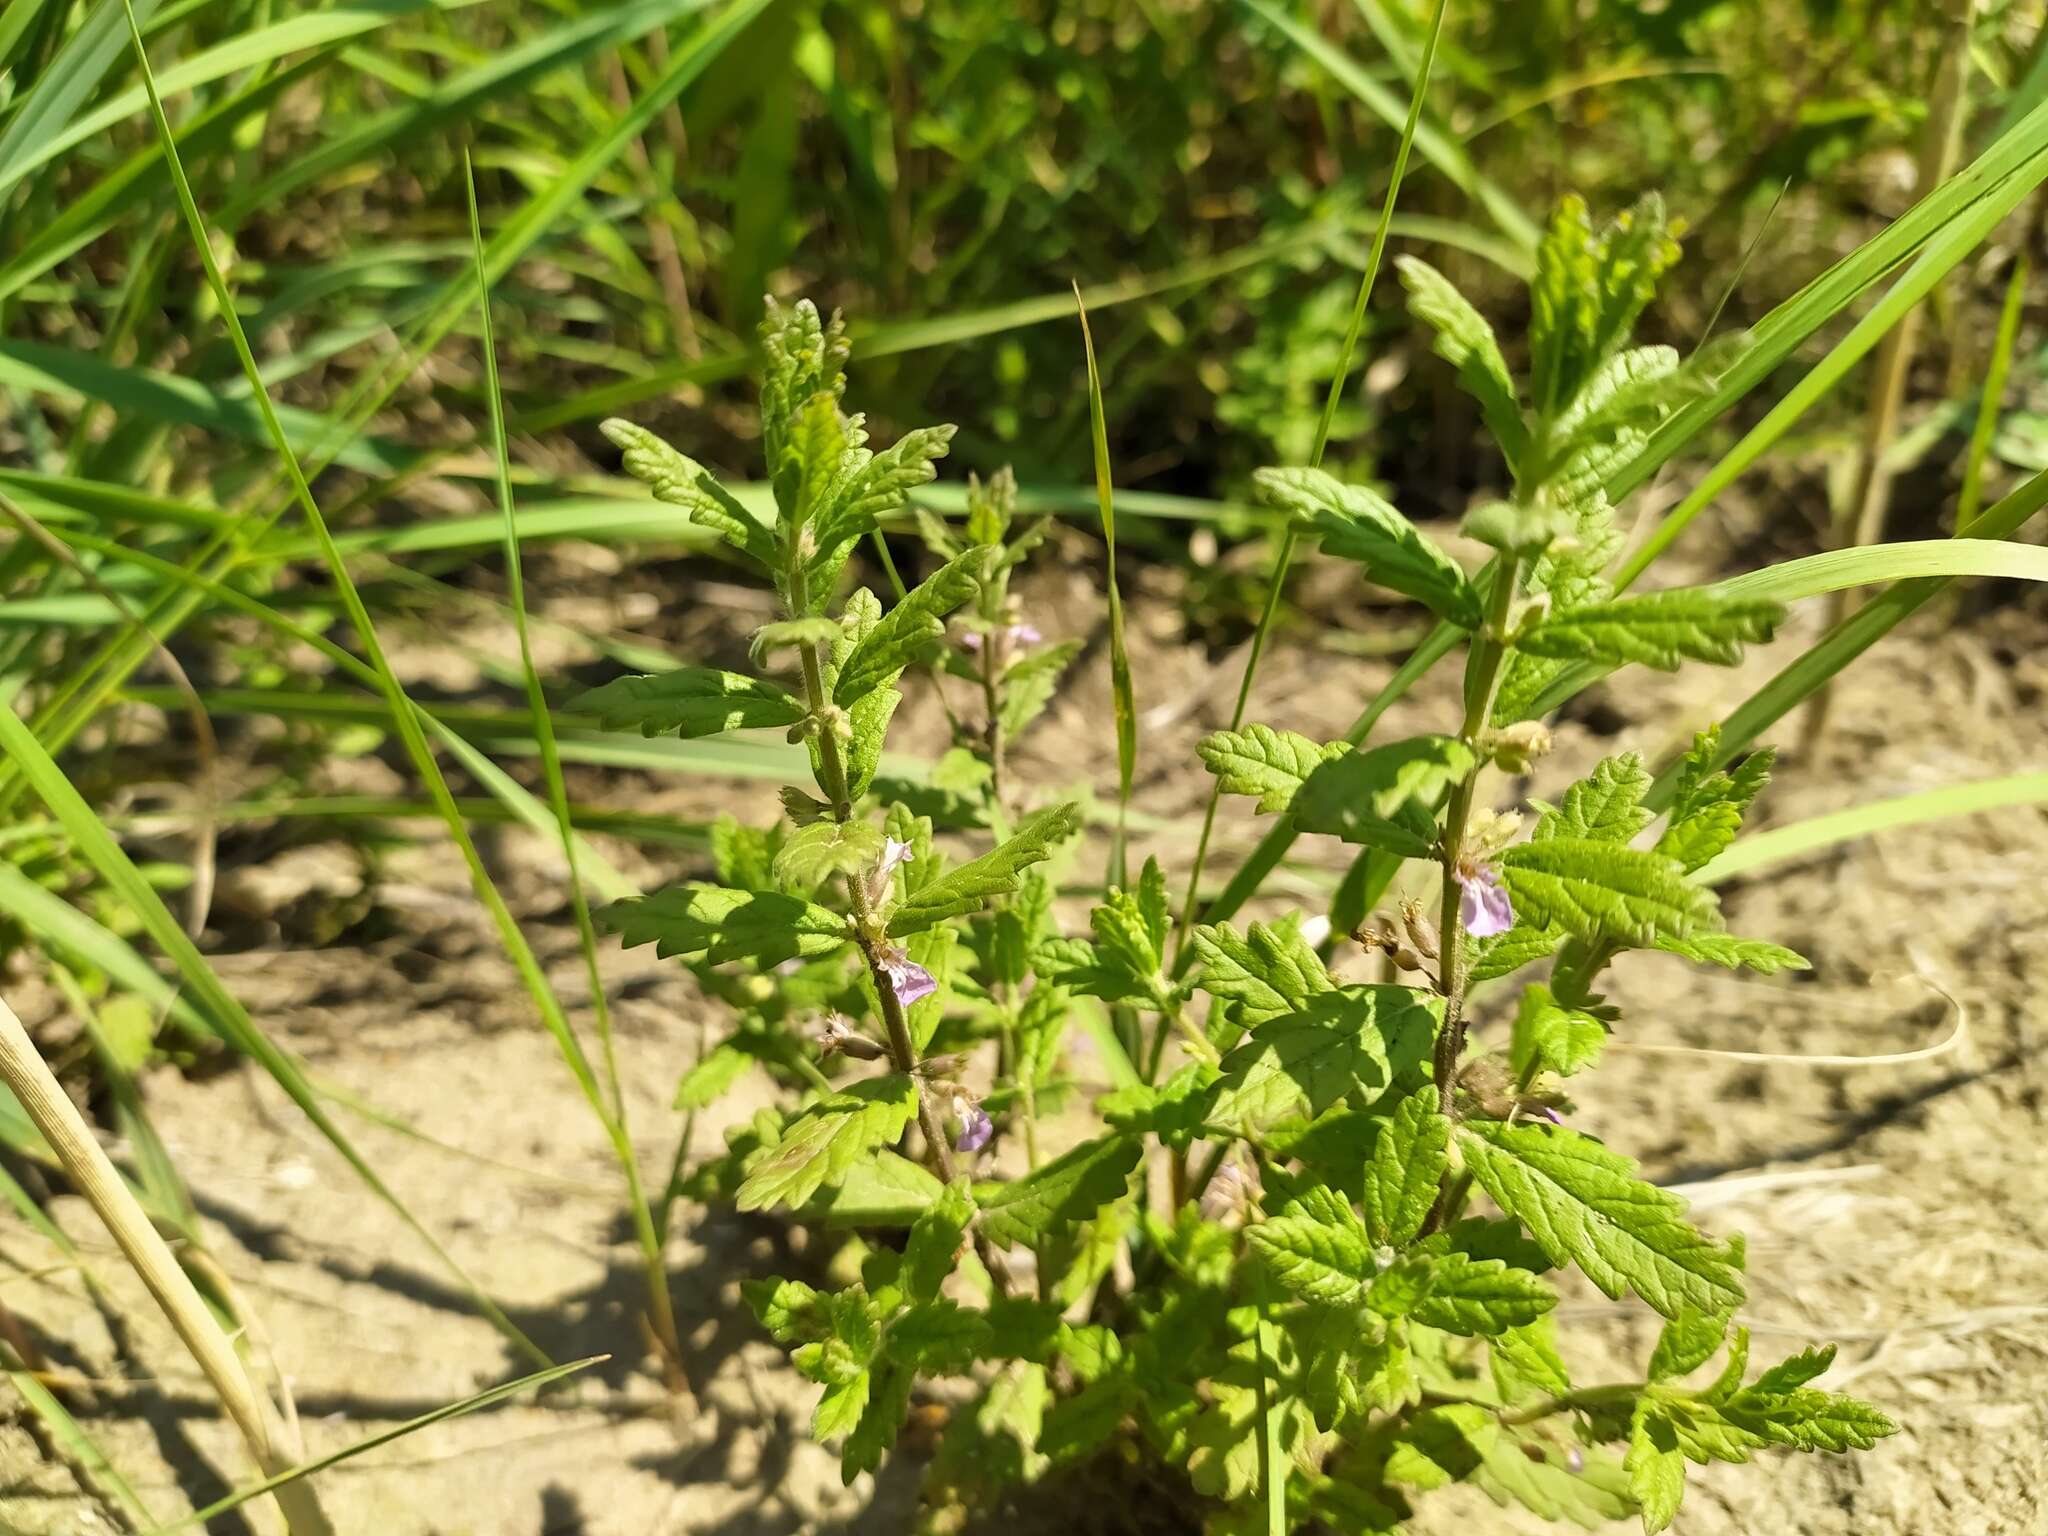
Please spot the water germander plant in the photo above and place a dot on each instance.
(1291, 1243)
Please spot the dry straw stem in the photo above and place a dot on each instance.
(23, 1070)
(1958, 1033)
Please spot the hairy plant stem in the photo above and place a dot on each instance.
(1613, 1394)
(992, 724)
(1489, 651)
(902, 1050)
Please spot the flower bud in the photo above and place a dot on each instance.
(1520, 744)
(1421, 931)
(836, 1037)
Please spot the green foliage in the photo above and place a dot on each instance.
(996, 873)
(1658, 629)
(718, 925)
(1303, 1246)
(1405, 1173)
(1355, 524)
(885, 649)
(1600, 891)
(1384, 798)
(1066, 1191)
(1584, 1206)
(1551, 1037)
(691, 701)
(1352, 1039)
(1264, 973)
(818, 1147)
(1261, 761)
(1466, 342)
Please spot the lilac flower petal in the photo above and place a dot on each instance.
(1021, 635)
(1483, 905)
(976, 1128)
(908, 979)
(1550, 1114)
(893, 854)
(971, 641)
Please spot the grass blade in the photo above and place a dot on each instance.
(1761, 850)
(661, 1307)
(412, 1426)
(1970, 498)
(1851, 638)
(1119, 657)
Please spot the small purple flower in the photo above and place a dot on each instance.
(1010, 639)
(976, 1128)
(909, 980)
(1550, 1113)
(893, 854)
(1483, 905)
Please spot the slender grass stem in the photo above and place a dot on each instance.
(1283, 558)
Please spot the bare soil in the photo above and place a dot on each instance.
(1895, 1208)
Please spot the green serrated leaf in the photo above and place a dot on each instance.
(712, 1076)
(1327, 1262)
(839, 1410)
(877, 488)
(1550, 1037)
(892, 644)
(1354, 523)
(1339, 1042)
(1467, 343)
(693, 701)
(1590, 286)
(1261, 761)
(820, 1145)
(743, 856)
(1405, 1173)
(825, 848)
(1656, 629)
(1583, 1205)
(718, 925)
(1028, 685)
(1384, 798)
(1709, 804)
(974, 884)
(1655, 1466)
(1604, 807)
(1268, 971)
(788, 634)
(1687, 1342)
(1504, 954)
(1067, 1190)
(792, 1312)
(887, 1408)
(683, 482)
(1481, 1296)
(1603, 892)
(884, 1190)
(1525, 1361)
(1732, 953)
(939, 1338)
